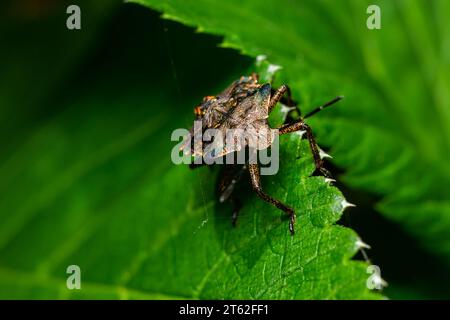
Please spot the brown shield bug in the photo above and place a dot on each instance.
(245, 105)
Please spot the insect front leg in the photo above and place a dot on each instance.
(256, 184)
(279, 96)
(301, 126)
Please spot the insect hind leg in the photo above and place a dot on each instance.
(256, 184)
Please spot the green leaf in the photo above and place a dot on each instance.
(94, 186)
(392, 132)
(103, 209)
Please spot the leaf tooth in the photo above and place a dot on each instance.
(300, 133)
(345, 204)
(379, 281)
(285, 109)
(260, 58)
(323, 154)
(362, 245)
(272, 68)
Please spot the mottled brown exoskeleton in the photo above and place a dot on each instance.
(246, 104)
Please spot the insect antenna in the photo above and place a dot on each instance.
(329, 103)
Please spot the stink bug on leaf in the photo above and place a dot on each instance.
(246, 104)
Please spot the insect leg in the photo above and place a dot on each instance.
(256, 184)
(226, 187)
(300, 125)
(278, 96)
(315, 151)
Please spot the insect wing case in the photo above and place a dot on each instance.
(244, 125)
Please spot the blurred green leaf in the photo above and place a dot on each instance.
(392, 132)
